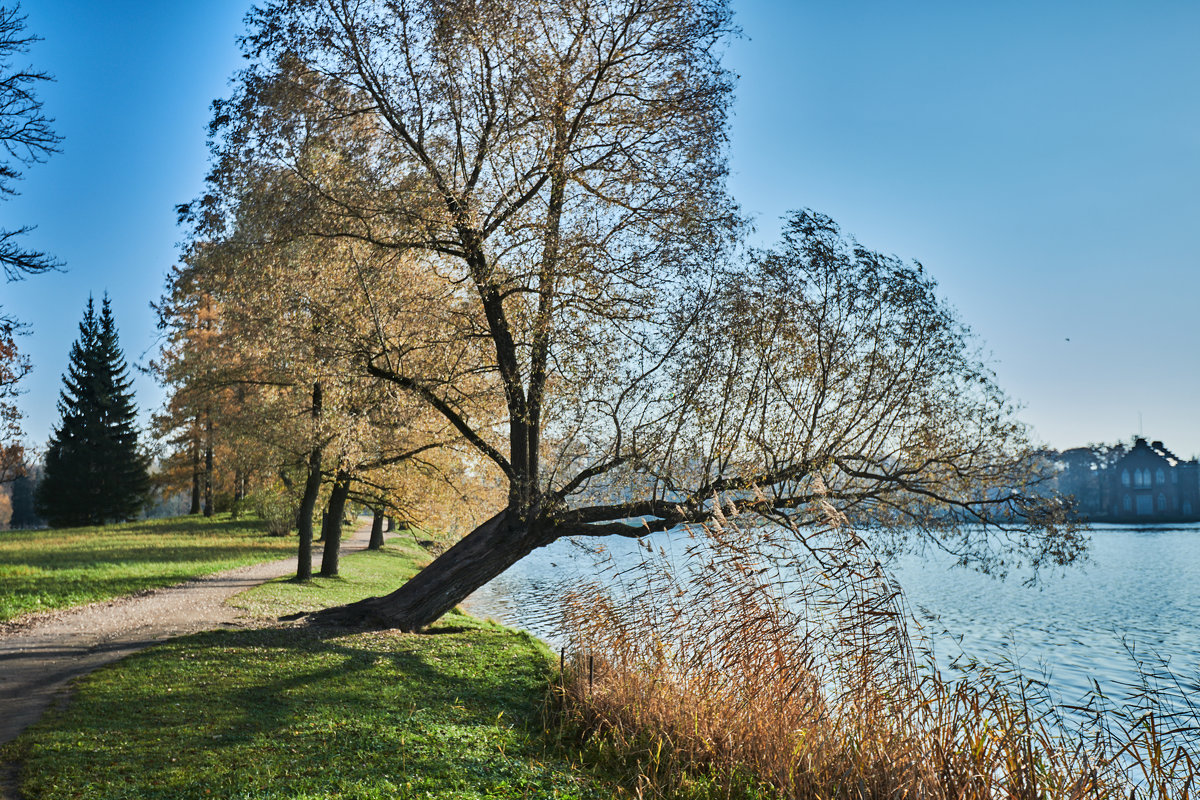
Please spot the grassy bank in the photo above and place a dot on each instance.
(45, 570)
(293, 712)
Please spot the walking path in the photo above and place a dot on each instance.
(39, 657)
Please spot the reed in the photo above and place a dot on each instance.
(775, 661)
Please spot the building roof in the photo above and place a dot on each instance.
(1156, 447)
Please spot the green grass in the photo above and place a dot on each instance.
(44, 570)
(360, 577)
(301, 713)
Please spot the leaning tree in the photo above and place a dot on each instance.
(560, 164)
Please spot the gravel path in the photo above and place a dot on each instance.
(40, 655)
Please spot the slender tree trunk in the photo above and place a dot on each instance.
(333, 524)
(239, 482)
(312, 487)
(195, 506)
(208, 464)
(390, 524)
(376, 531)
(480, 556)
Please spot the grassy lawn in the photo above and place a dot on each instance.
(44, 570)
(299, 713)
(362, 575)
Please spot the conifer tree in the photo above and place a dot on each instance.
(94, 472)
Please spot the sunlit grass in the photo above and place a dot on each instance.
(298, 712)
(367, 577)
(51, 569)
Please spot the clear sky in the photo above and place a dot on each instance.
(1042, 160)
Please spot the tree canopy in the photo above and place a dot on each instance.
(524, 205)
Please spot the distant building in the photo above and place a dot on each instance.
(1151, 484)
(1142, 483)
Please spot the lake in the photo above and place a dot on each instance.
(1140, 589)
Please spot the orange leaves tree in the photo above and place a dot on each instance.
(276, 366)
(13, 366)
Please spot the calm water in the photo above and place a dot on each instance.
(1141, 589)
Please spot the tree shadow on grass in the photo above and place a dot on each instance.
(284, 711)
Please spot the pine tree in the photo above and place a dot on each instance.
(94, 473)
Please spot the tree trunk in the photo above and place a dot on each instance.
(304, 519)
(195, 506)
(333, 524)
(390, 525)
(239, 481)
(312, 487)
(208, 465)
(376, 531)
(480, 556)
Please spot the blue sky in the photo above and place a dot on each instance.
(1042, 160)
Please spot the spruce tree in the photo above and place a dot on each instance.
(94, 473)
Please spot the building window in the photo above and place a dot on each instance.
(1159, 476)
(1162, 502)
(1124, 477)
(1128, 504)
(1174, 475)
(1187, 506)
(1137, 477)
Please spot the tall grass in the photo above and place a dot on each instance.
(767, 661)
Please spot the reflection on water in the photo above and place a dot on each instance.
(1140, 590)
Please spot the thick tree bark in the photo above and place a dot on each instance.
(312, 487)
(480, 556)
(333, 524)
(376, 542)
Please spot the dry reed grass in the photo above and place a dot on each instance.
(767, 661)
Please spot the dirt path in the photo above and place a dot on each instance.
(39, 657)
